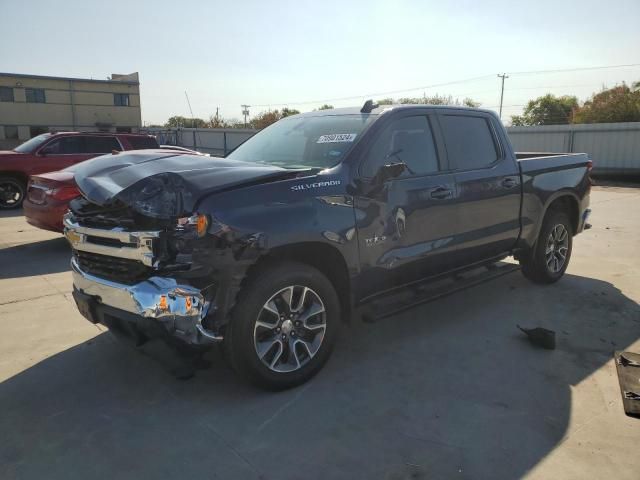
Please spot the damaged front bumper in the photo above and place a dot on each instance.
(157, 306)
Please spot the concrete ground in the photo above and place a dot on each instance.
(447, 390)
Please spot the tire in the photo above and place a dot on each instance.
(277, 339)
(545, 262)
(12, 192)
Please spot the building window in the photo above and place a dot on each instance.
(11, 132)
(35, 131)
(6, 94)
(34, 95)
(121, 99)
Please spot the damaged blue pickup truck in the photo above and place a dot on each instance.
(269, 250)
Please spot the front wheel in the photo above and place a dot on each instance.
(549, 258)
(283, 327)
(11, 192)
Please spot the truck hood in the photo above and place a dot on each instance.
(124, 176)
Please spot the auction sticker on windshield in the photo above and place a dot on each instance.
(337, 138)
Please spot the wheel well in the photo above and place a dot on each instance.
(17, 175)
(323, 257)
(568, 204)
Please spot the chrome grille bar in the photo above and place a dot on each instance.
(135, 245)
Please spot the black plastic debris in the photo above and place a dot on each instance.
(628, 368)
(541, 337)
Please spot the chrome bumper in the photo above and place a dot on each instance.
(133, 245)
(180, 308)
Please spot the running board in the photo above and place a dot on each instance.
(424, 292)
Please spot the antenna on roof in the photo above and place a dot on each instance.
(368, 106)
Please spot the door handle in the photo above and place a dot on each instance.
(440, 193)
(509, 182)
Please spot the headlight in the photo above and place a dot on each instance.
(158, 196)
(198, 223)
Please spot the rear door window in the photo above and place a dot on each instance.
(102, 144)
(407, 140)
(469, 141)
(140, 143)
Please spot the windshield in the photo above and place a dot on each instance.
(31, 145)
(301, 142)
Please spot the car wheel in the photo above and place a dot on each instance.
(549, 258)
(11, 192)
(283, 327)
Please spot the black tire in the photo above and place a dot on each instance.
(245, 335)
(12, 191)
(538, 264)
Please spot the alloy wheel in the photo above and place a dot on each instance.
(10, 194)
(290, 328)
(557, 248)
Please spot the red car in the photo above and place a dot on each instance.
(54, 151)
(49, 194)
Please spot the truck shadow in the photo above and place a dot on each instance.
(36, 258)
(447, 389)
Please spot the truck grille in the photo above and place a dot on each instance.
(121, 270)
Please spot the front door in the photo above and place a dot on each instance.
(60, 153)
(405, 224)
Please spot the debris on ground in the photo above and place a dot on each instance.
(541, 337)
(628, 368)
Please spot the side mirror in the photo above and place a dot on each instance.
(387, 172)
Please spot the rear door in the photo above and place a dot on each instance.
(101, 144)
(488, 186)
(405, 225)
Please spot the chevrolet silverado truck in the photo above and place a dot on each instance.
(268, 250)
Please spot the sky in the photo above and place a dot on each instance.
(271, 54)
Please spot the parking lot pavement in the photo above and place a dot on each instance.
(447, 390)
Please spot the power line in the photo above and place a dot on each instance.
(376, 94)
(444, 84)
(579, 69)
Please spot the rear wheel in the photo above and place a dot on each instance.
(284, 326)
(11, 192)
(549, 258)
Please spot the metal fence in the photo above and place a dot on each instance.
(216, 141)
(614, 148)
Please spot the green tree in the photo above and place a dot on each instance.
(547, 110)
(180, 121)
(326, 106)
(439, 100)
(617, 104)
(431, 100)
(286, 112)
(264, 119)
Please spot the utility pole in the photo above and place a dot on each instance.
(245, 112)
(503, 76)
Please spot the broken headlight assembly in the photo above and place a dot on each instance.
(161, 196)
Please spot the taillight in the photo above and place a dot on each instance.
(63, 193)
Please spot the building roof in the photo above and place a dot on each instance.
(47, 77)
